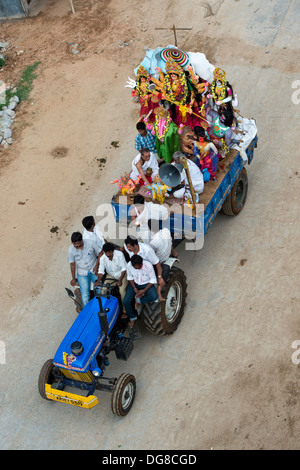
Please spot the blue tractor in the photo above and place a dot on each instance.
(82, 357)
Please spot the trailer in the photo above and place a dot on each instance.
(227, 193)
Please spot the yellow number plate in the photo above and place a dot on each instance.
(70, 398)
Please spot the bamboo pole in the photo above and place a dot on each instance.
(183, 160)
(72, 6)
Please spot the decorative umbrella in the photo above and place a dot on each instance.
(180, 57)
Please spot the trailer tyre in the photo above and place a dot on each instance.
(236, 199)
(163, 318)
(46, 377)
(123, 395)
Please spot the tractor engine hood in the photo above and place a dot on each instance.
(87, 331)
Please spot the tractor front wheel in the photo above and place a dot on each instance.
(123, 395)
(46, 377)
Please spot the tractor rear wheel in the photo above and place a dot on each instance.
(46, 377)
(236, 199)
(123, 395)
(163, 318)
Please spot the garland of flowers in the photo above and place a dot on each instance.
(224, 146)
(155, 126)
(223, 93)
(169, 91)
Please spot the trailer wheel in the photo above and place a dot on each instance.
(236, 199)
(123, 395)
(163, 318)
(46, 377)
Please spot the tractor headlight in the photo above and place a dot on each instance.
(96, 372)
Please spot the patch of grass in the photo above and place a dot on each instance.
(24, 86)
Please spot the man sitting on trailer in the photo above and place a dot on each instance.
(161, 241)
(142, 279)
(195, 174)
(141, 211)
(144, 160)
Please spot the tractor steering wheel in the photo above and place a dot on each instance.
(108, 284)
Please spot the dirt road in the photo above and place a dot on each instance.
(225, 379)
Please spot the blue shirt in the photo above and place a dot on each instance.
(147, 142)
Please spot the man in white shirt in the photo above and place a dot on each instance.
(135, 247)
(92, 231)
(195, 174)
(112, 263)
(145, 159)
(141, 211)
(161, 241)
(142, 279)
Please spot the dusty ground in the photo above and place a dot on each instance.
(225, 380)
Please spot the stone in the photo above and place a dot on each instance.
(12, 105)
(10, 113)
(7, 134)
(15, 98)
(5, 124)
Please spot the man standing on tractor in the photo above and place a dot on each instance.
(91, 231)
(84, 258)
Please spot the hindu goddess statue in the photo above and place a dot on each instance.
(166, 134)
(148, 96)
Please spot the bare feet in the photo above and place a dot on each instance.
(131, 323)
